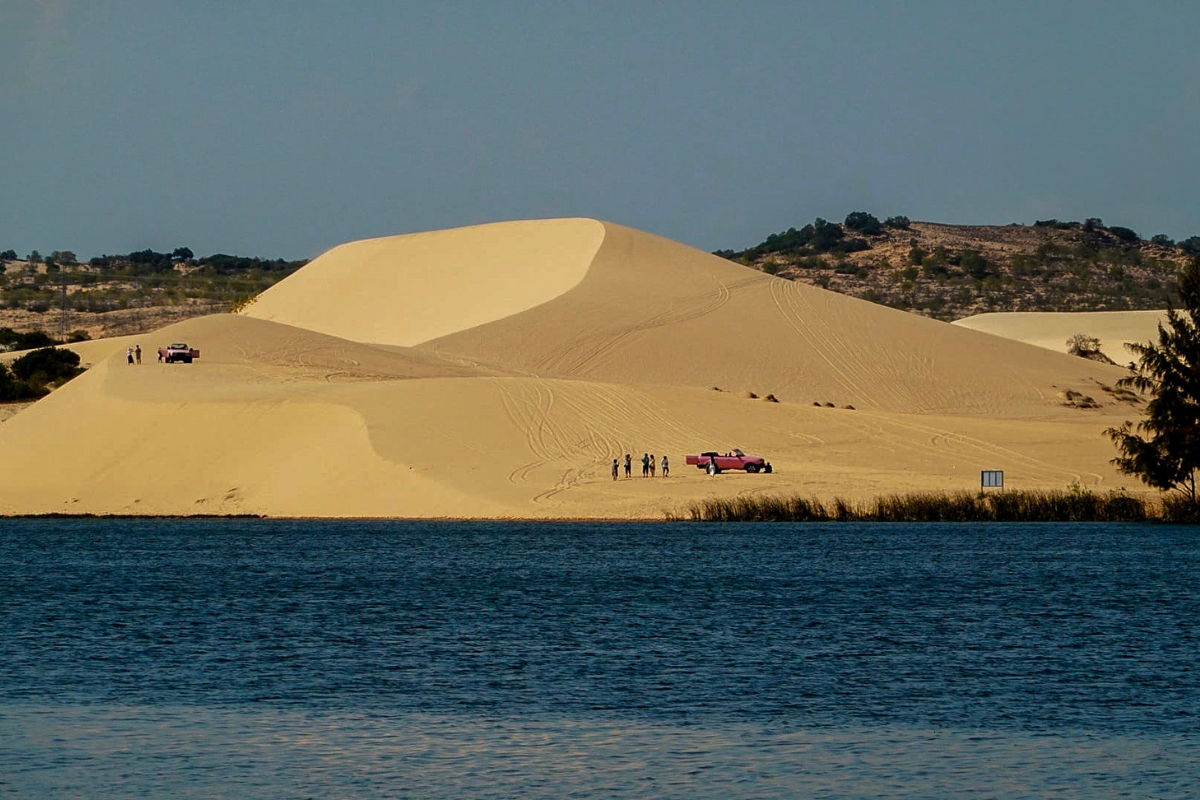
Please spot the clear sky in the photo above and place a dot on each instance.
(280, 129)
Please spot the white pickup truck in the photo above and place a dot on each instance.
(178, 352)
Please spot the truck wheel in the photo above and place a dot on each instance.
(752, 468)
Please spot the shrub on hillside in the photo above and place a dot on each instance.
(1057, 225)
(46, 366)
(12, 340)
(975, 265)
(1124, 234)
(12, 389)
(863, 222)
(1191, 245)
(1083, 345)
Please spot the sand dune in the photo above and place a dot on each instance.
(406, 289)
(654, 311)
(1051, 330)
(497, 371)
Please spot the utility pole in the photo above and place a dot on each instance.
(62, 320)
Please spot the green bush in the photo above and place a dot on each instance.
(12, 340)
(975, 265)
(47, 365)
(12, 389)
(863, 222)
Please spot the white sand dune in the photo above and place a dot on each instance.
(407, 289)
(496, 371)
(653, 311)
(1051, 330)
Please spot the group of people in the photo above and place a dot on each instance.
(133, 355)
(648, 464)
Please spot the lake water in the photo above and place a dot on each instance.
(257, 658)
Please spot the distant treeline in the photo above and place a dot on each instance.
(150, 262)
(948, 272)
(821, 236)
(140, 279)
(1190, 245)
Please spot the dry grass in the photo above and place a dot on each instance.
(1010, 506)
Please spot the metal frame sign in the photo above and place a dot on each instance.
(991, 479)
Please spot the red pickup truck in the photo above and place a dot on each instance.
(735, 459)
(178, 352)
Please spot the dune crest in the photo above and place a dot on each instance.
(402, 290)
(1051, 330)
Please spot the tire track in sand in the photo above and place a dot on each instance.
(574, 427)
(886, 434)
(585, 349)
(789, 310)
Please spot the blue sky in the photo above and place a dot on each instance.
(280, 129)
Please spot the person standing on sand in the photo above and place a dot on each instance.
(645, 465)
(665, 467)
(129, 354)
(137, 351)
(614, 469)
(160, 355)
(628, 465)
(652, 462)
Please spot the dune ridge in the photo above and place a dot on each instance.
(403, 290)
(1052, 329)
(496, 371)
(653, 311)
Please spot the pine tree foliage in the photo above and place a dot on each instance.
(1164, 448)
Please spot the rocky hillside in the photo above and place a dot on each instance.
(953, 271)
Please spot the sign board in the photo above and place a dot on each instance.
(992, 478)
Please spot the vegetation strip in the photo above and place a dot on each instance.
(952, 271)
(1009, 506)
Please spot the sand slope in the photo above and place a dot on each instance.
(517, 395)
(654, 311)
(407, 289)
(1051, 330)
